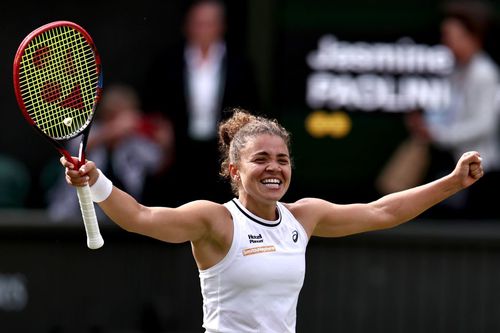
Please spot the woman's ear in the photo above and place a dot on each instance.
(234, 172)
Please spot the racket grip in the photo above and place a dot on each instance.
(94, 238)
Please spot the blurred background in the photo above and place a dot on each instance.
(359, 83)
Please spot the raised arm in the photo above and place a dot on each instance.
(325, 219)
(190, 222)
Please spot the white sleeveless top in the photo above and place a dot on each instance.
(256, 286)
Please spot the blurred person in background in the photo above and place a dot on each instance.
(129, 145)
(471, 120)
(191, 84)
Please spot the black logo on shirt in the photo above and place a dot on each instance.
(295, 236)
(255, 238)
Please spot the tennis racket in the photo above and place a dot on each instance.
(58, 83)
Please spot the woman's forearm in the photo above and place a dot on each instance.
(124, 210)
(403, 206)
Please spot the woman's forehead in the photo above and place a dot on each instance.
(266, 143)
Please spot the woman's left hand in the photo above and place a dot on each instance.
(468, 169)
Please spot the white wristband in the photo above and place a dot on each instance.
(101, 189)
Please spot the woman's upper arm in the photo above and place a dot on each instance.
(325, 219)
(189, 222)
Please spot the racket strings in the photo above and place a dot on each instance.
(51, 92)
(60, 75)
(52, 69)
(36, 75)
(58, 81)
(72, 104)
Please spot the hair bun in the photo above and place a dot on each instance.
(229, 128)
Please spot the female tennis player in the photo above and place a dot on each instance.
(250, 251)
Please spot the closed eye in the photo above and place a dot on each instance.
(259, 160)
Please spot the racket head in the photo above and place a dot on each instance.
(58, 79)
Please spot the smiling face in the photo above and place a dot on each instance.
(264, 171)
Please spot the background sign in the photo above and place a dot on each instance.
(348, 73)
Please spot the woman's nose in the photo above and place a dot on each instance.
(273, 166)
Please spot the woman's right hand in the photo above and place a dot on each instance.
(86, 174)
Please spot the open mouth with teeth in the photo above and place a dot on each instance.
(271, 182)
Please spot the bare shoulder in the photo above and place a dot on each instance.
(214, 216)
(307, 211)
(306, 205)
(207, 210)
(203, 204)
(216, 241)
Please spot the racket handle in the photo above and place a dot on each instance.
(94, 238)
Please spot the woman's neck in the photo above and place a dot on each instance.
(265, 210)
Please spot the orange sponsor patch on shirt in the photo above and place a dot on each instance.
(258, 249)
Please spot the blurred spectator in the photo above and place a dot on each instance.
(192, 84)
(128, 145)
(471, 120)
